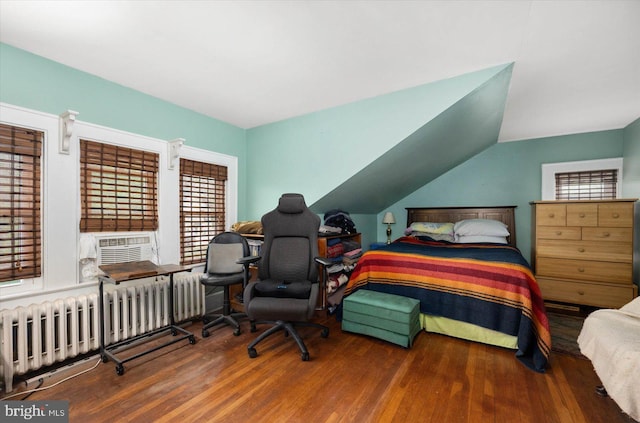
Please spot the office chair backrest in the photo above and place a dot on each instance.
(290, 241)
(223, 252)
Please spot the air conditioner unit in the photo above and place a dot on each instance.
(121, 249)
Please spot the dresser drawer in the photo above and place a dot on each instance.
(585, 270)
(551, 215)
(582, 214)
(623, 235)
(595, 294)
(585, 250)
(617, 215)
(559, 232)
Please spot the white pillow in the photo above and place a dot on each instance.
(481, 238)
(483, 227)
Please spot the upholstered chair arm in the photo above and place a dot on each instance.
(245, 261)
(249, 293)
(323, 261)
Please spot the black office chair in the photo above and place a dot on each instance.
(228, 260)
(286, 293)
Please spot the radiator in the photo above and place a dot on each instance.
(43, 334)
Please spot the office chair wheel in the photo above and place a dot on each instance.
(305, 356)
(253, 327)
(192, 339)
(324, 333)
(205, 333)
(119, 369)
(252, 352)
(236, 332)
(105, 359)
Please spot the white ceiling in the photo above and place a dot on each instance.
(248, 63)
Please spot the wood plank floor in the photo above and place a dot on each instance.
(350, 378)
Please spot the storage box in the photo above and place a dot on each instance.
(389, 317)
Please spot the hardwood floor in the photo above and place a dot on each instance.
(350, 378)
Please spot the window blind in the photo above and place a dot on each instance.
(587, 185)
(20, 240)
(202, 208)
(118, 188)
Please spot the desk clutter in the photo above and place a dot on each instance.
(339, 242)
(345, 253)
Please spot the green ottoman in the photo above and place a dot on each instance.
(389, 317)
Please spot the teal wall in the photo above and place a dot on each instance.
(316, 152)
(507, 174)
(30, 81)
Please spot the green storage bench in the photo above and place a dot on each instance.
(389, 317)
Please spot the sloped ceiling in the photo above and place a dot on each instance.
(461, 131)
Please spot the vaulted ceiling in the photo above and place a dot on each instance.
(456, 133)
(577, 63)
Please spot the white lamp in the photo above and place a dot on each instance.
(388, 219)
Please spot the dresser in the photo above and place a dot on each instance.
(583, 251)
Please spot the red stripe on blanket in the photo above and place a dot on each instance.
(503, 283)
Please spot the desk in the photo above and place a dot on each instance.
(123, 272)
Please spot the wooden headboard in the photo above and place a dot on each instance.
(505, 214)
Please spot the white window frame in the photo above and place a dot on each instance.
(549, 171)
(168, 235)
(48, 124)
(60, 195)
(231, 188)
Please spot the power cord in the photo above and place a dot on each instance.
(40, 383)
(31, 391)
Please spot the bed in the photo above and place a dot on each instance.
(475, 286)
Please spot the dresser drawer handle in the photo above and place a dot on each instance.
(581, 269)
(580, 292)
(581, 214)
(581, 250)
(616, 215)
(606, 234)
(558, 233)
(552, 215)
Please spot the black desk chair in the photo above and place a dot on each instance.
(228, 260)
(286, 294)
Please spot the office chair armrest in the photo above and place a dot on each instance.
(324, 261)
(248, 260)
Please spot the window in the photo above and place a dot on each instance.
(20, 239)
(118, 188)
(202, 208)
(587, 185)
(587, 179)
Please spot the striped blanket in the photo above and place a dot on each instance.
(489, 285)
